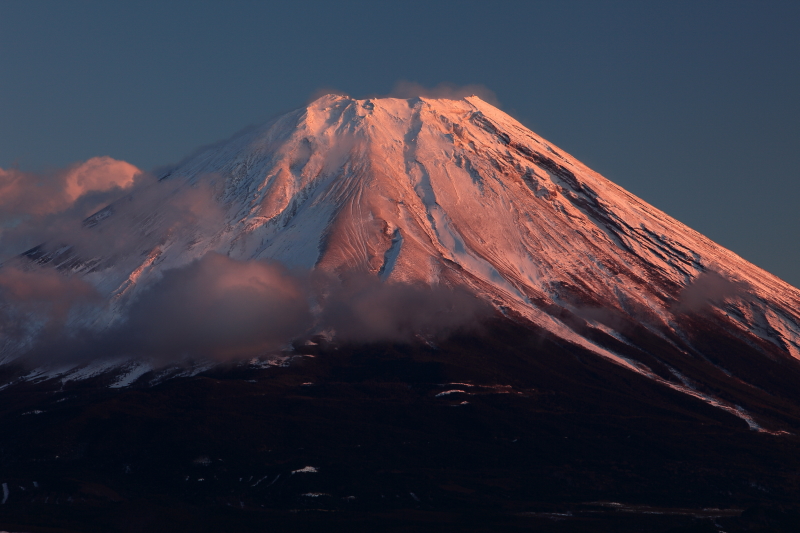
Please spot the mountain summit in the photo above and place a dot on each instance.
(458, 194)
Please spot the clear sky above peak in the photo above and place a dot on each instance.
(691, 105)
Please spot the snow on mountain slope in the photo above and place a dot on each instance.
(456, 192)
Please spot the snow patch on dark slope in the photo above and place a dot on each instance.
(456, 193)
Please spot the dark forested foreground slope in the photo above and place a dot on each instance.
(508, 430)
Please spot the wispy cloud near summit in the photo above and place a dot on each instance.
(410, 89)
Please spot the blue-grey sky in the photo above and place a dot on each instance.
(693, 106)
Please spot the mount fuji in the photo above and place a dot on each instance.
(574, 280)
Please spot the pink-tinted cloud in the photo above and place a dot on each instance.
(410, 89)
(708, 288)
(362, 308)
(218, 307)
(108, 187)
(37, 208)
(215, 307)
(36, 303)
(43, 290)
(221, 308)
(98, 174)
(26, 193)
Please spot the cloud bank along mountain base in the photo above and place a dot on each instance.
(213, 307)
(220, 308)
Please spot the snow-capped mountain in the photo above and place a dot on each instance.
(457, 193)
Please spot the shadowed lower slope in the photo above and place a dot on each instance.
(505, 431)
